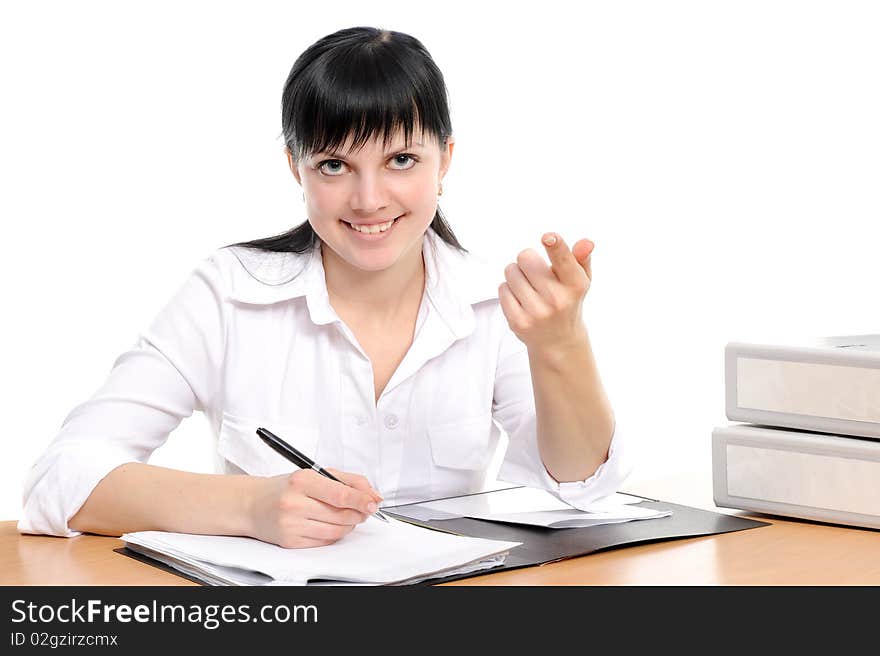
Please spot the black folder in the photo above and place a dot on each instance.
(545, 545)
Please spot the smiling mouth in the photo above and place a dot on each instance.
(372, 229)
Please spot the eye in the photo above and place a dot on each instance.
(406, 157)
(331, 171)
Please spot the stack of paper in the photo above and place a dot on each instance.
(374, 553)
(525, 505)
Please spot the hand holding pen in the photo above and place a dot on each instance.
(309, 507)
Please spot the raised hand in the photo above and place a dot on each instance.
(542, 304)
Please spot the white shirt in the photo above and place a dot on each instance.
(251, 339)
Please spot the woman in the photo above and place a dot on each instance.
(367, 337)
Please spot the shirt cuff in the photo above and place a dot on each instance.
(61, 481)
(524, 467)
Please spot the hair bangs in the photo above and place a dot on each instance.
(358, 115)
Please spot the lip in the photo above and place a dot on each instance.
(378, 236)
(371, 223)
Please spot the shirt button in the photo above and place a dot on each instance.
(391, 421)
(360, 420)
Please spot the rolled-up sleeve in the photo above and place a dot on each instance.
(169, 372)
(513, 408)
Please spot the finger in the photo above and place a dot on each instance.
(583, 253)
(356, 481)
(563, 262)
(527, 296)
(511, 308)
(331, 492)
(317, 510)
(537, 272)
(323, 531)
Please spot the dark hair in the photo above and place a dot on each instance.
(361, 81)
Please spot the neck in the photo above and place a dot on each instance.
(379, 297)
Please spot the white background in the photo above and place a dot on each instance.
(724, 156)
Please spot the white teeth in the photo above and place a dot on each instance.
(374, 229)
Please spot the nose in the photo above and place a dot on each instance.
(369, 195)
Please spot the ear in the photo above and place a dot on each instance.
(293, 167)
(446, 155)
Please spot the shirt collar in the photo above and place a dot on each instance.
(454, 281)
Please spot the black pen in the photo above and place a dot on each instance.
(301, 460)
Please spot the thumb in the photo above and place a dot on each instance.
(583, 251)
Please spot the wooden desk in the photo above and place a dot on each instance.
(786, 552)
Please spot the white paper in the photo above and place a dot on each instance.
(525, 505)
(375, 552)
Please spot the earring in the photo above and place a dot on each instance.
(440, 191)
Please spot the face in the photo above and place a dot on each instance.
(370, 187)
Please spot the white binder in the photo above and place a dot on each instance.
(829, 384)
(828, 478)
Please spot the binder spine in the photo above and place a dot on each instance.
(854, 395)
(764, 470)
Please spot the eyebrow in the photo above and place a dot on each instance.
(393, 150)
